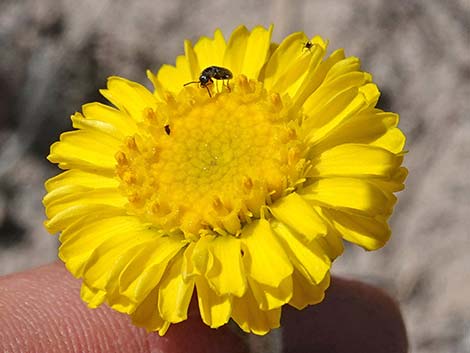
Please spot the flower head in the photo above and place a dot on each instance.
(239, 190)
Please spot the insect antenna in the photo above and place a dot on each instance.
(191, 83)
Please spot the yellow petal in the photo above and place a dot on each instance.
(310, 80)
(200, 256)
(262, 251)
(65, 197)
(308, 258)
(146, 315)
(114, 251)
(270, 298)
(295, 212)
(287, 63)
(188, 266)
(351, 195)
(336, 108)
(101, 129)
(371, 126)
(171, 79)
(184, 70)
(115, 299)
(332, 243)
(355, 160)
(370, 233)
(80, 178)
(343, 67)
(226, 274)
(174, 294)
(104, 274)
(144, 272)
(257, 49)
(69, 187)
(393, 140)
(92, 296)
(192, 61)
(80, 240)
(215, 309)
(104, 257)
(210, 52)
(328, 91)
(84, 150)
(82, 214)
(129, 97)
(396, 182)
(119, 120)
(306, 293)
(318, 71)
(236, 49)
(158, 91)
(250, 318)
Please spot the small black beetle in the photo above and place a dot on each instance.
(208, 75)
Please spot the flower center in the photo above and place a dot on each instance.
(202, 164)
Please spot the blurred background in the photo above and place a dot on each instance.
(56, 54)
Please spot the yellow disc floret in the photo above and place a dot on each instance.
(202, 164)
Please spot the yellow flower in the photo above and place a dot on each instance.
(240, 190)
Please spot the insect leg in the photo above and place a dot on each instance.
(226, 85)
(208, 91)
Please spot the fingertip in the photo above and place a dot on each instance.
(353, 318)
(194, 336)
(41, 311)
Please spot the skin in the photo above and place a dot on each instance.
(41, 311)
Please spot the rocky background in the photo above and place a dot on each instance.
(56, 54)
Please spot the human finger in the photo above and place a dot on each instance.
(41, 311)
(354, 318)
